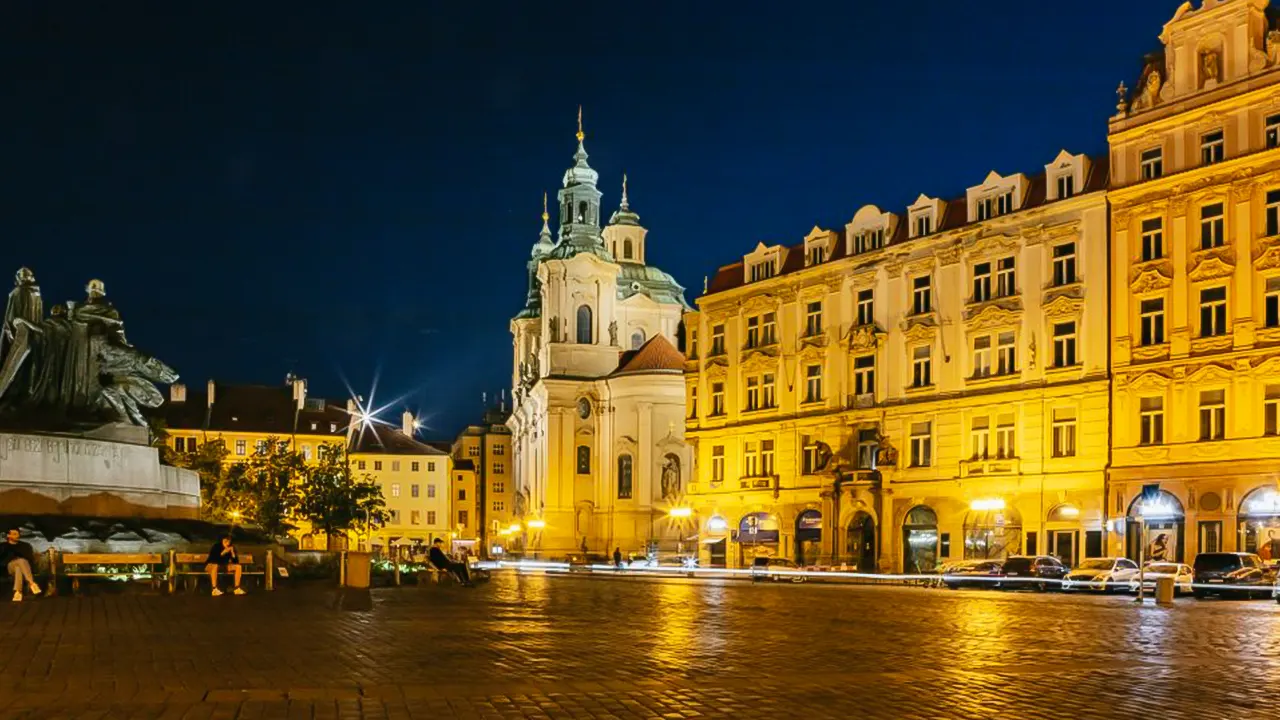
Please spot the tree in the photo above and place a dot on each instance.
(334, 500)
(268, 483)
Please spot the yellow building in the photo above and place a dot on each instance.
(463, 497)
(487, 494)
(414, 479)
(1195, 199)
(914, 387)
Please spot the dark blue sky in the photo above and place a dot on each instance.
(333, 188)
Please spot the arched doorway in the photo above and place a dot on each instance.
(1260, 523)
(1159, 536)
(808, 536)
(860, 542)
(1062, 533)
(993, 534)
(920, 540)
(757, 536)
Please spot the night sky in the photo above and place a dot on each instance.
(350, 190)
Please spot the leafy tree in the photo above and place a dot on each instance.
(269, 482)
(334, 500)
(222, 497)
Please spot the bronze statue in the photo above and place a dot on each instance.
(74, 368)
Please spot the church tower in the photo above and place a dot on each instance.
(625, 235)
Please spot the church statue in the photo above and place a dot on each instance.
(671, 478)
(613, 333)
(554, 326)
(521, 504)
(1149, 96)
(75, 367)
(1210, 68)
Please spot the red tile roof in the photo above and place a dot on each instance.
(657, 355)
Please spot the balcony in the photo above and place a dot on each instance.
(988, 467)
(857, 402)
(762, 482)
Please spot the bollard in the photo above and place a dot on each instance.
(396, 563)
(52, 590)
(271, 578)
(342, 569)
(173, 572)
(1164, 591)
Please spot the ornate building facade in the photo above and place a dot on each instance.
(911, 388)
(597, 422)
(1196, 287)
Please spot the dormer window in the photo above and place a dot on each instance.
(923, 216)
(869, 230)
(995, 205)
(1066, 186)
(1066, 175)
(923, 225)
(815, 255)
(763, 262)
(763, 271)
(868, 240)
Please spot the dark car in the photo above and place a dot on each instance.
(1232, 574)
(973, 573)
(1039, 572)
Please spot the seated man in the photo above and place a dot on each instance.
(19, 558)
(222, 556)
(442, 562)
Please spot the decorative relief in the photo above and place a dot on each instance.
(819, 340)
(759, 303)
(1147, 353)
(1210, 265)
(1267, 335)
(894, 268)
(948, 255)
(1063, 307)
(1149, 381)
(812, 292)
(920, 267)
(991, 317)
(993, 245)
(1150, 280)
(1268, 258)
(864, 338)
(918, 331)
(863, 279)
(1220, 343)
(716, 372)
(811, 353)
(759, 361)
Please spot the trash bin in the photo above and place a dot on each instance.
(1164, 590)
(358, 567)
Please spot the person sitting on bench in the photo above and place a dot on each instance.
(444, 564)
(222, 556)
(19, 558)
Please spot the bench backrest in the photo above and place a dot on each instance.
(112, 558)
(192, 558)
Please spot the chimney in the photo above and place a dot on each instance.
(210, 392)
(177, 393)
(406, 423)
(299, 391)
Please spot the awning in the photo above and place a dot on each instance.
(712, 541)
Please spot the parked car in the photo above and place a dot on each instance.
(1232, 574)
(1180, 572)
(973, 573)
(1040, 572)
(1101, 574)
(766, 568)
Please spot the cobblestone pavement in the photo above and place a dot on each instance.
(561, 647)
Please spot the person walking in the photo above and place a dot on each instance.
(223, 556)
(444, 564)
(617, 558)
(19, 558)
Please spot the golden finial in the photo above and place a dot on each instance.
(545, 215)
(581, 135)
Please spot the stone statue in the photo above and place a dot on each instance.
(671, 478)
(613, 333)
(1210, 68)
(74, 368)
(1031, 352)
(554, 325)
(1122, 98)
(1150, 94)
(886, 454)
(824, 456)
(1273, 48)
(521, 504)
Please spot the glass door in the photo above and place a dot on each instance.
(1064, 546)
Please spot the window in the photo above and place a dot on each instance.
(395, 517)
(306, 452)
(333, 427)
(462, 493)
(1005, 447)
(1213, 414)
(1212, 148)
(753, 332)
(753, 393)
(413, 490)
(431, 490)
(431, 517)
(717, 398)
(1151, 421)
(180, 444)
(982, 356)
(766, 458)
(921, 295)
(866, 307)
(808, 455)
(1066, 186)
(813, 319)
(762, 271)
(1270, 410)
(260, 447)
(1064, 344)
(584, 460)
(624, 477)
(693, 401)
(717, 464)
(921, 444)
(499, 468)
(1064, 432)
(994, 205)
(499, 486)
(815, 255)
(1211, 227)
(1152, 239)
(864, 375)
(1271, 302)
(717, 340)
(769, 329)
(813, 383)
(770, 399)
(415, 466)
(395, 466)
(1151, 320)
(637, 339)
(868, 448)
(360, 465)
(499, 506)
(241, 446)
(693, 342)
(499, 449)
(1152, 163)
(395, 490)
(1213, 312)
(585, 331)
(980, 437)
(415, 517)
(431, 466)
(982, 282)
(1273, 213)
(377, 464)
(868, 240)
(1006, 354)
(463, 517)
(750, 460)
(1273, 131)
(1064, 263)
(924, 225)
(474, 451)
(1005, 285)
(921, 367)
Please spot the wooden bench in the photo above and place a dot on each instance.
(116, 565)
(194, 565)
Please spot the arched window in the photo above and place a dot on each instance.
(582, 211)
(624, 477)
(626, 249)
(584, 325)
(584, 460)
(637, 339)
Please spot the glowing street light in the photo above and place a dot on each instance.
(537, 524)
(987, 504)
(680, 512)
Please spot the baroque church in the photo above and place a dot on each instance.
(598, 387)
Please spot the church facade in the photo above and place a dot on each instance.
(597, 421)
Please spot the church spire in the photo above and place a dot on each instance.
(544, 244)
(581, 135)
(624, 204)
(580, 202)
(624, 215)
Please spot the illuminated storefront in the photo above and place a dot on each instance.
(1155, 529)
(1260, 523)
(920, 540)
